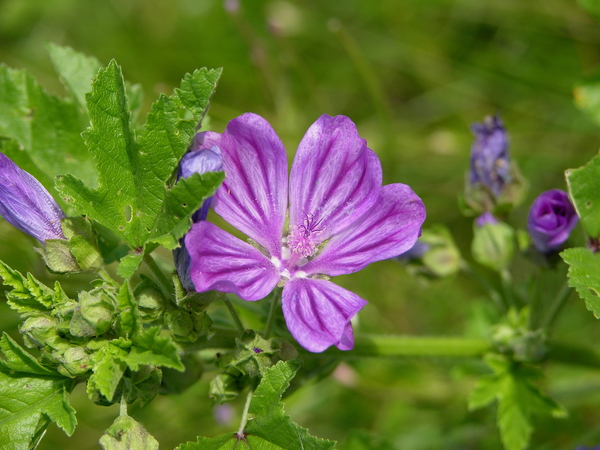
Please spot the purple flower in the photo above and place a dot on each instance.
(487, 218)
(26, 204)
(340, 220)
(551, 219)
(490, 163)
(199, 160)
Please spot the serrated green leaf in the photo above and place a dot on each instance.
(270, 421)
(584, 185)
(28, 295)
(584, 276)
(30, 397)
(18, 360)
(513, 385)
(129, 264)
(181, 201)
(152, 349)
(109, 367)
(133, 173)
(46, 127)
(270, 428)
(76, 70)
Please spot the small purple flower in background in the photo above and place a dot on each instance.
(487, 218)
(551, 219)
(26, 204)
(490, 163)
(340, 220)
(198, 160)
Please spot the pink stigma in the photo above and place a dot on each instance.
(303, 239)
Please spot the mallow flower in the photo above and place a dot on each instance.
(551, 218)
(198, 160)
(26, 204)
(490, 162)
(333, 217)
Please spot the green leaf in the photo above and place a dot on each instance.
(152, 349)
(31, 396)
(513, 385)
(109, 367)
(584, 185)
(129, 264)
(127, 434)
(28, 295)
(134, 173)
(270, 428)
(584, 276)
(18, 360)
(46, 127)
(76, 70)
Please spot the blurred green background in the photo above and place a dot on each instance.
(413, 75)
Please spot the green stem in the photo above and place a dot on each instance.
(272, 313)
(506, 280)
(234, 315)
(106, 276)
(123, 406)
(245, 414)
(555, 306)
(390, 346)
(485, 284)
(159, 277)
(536, 307)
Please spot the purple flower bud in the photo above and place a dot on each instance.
(487, 218)
(551, 219)
(490, 163)
(198, 160)
(26, 204)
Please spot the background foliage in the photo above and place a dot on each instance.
(413, 76)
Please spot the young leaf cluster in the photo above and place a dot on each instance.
(513, 386)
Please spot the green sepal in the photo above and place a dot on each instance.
(254, 354)
(127, 434)
(225, 387)
(58, 257)
(94, 314)
(443, 257)
(493, 245)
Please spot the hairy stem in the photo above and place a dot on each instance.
(556, 305)
(244, 420)
(159, 277)
(234, 315)
(272, 313)
(390, 346)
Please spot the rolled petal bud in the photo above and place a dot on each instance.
(198, 160)
(551, 218)
(490, 163)
(26, 204)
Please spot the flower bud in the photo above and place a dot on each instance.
(490, 163)
(26, 204)
(551, 219)
(493, 245)
(198, 160)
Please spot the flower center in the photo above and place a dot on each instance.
(304, 239)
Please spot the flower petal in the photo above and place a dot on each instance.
(222, 262)
(388, 229)
(318, 313)
(253, 197)
(335, 178)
